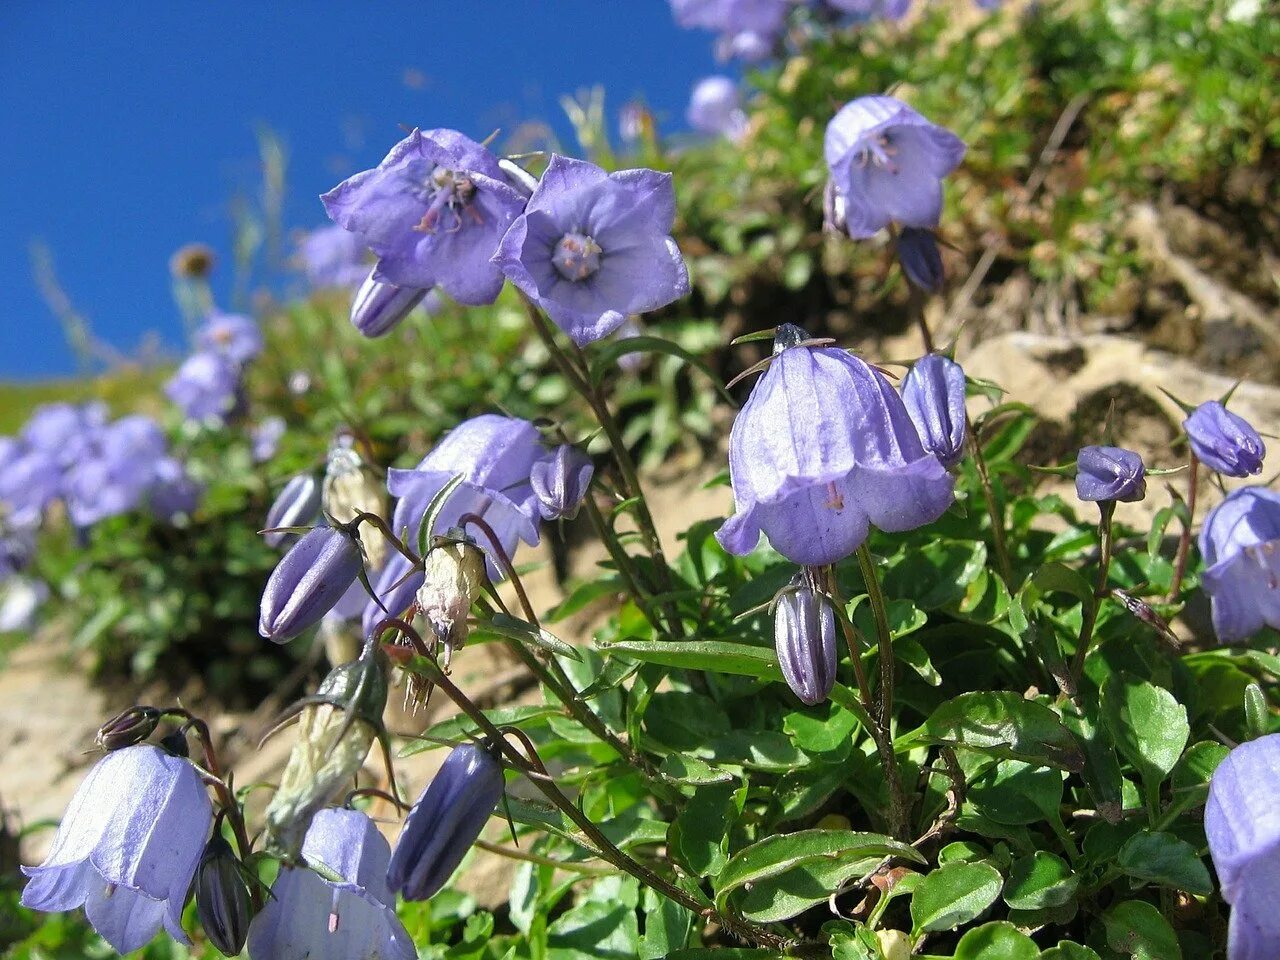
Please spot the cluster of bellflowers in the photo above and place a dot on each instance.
(208, 386)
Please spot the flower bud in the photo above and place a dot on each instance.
(1110, 473)
(445, 822)
(378, 307)
(804, 636)
(125, 729)
(1224, 441)
(336, 728)
(454, 577)
(919, 258)
(222, 899)
(933, 391)
(560, 482)
(298, 505)
(307, 582)
(350, 489)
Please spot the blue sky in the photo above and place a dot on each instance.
(128, 128)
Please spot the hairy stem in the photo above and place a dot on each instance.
(1184, 542)
(1089, 617)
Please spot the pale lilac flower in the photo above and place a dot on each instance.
(17, 548)
(715, 107)
(887, 163)
(1240, 544)
(433, 211)
(920, 259)
(265, 438)
(592, 247)
(63, 430)
(560, 482)
(117, 473)
(333, 257)
(127, 847)
(933, 391)
(378, 307)
(823, 448)
(174, 492)
(206, 386)
(1110, 473)
(235, 336)
(732, 16)
(445, 822)
(29, 483)
(307, 582)
(311, 917)
(804, 637)
(1224, 441)
(749, 46)
(1242, 824)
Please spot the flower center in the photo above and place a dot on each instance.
(449, 195)
(879, 151)
(576, 257)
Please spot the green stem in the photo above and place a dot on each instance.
(1184, 542)
(622, 562)
(1089, 616)
(993, 506)
(884, 638)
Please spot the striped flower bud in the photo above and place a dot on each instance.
(298, 505)
(379, 307)
(804, 636)
(445, 822)
(222, 899)
(1224, 441)
(1110, 473)
(307, 582)
(933, 391)
(560, 482)
(128, 728)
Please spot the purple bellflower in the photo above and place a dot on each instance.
(1242, 824)
(307, 582)
(63, 431)
(1224, 441)
(1110, 473)
(715, 108)
(332, 257)
(297, 505)
(206, 386)
(117, 473)
(445, 822)
(1240, 544)
(235, 336)
(887, 163)
(920, 260)
(173, 492)
(872, 9)
(29, 483)
(823, 448)
(933, 391)
(127, 847)
(560, 482)
(264, 439)
(592, 247)
(804, 636)
(732, 16)
(749, 46)
(313, 917)
(378, 307)
(433, 211)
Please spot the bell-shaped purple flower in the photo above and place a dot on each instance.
(1242, 824)
(445, 822)
(235, 336)
(715, 108)
(312, 917)
(920, 260)
(17, 547)
(887, 163)
(378, 307)
(297, 505)
(206, 386)
(873, 9)
(732, 16)
(174, 492)
(1224, 441)
(495, 456)
(307, 582)
(804, 636)
(127, 847)
(749, 46)
(933, 391)
(433, 211)
(64, 431)
(1110, 473)
(823, 448)
(1240, 544)
(333, 257)
(117, 473)
(264, 440)
(560, 482)
(29, 483)
(592, 247)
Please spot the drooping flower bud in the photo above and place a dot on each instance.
(378, 307)
(336, 728)
(1224, 441)
(307, 582)
(920, 260)
(804, 636)
(351, 488)
(933, 391)
(560, 482)
(298, 505)
(127, 728)
(453, 580)
(222, 899)
(445, 822)
(1110, 473)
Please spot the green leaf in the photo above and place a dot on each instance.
(461, 727)
(904, 617)
(936, 574)
(781, 853)
(915, 656)
(1039, 881)
(1166, 860)
(1257, 714)
(953, 895)
(593, 929)
(607, 354)
(428, 523)
(1147, 724)
(700, 833)
(1000, 724)
(689, 770)
(584, 594)
(1136, 927)
(1190, 782)
(714, 656)
(1069, 950)
(997, 940)
(1058, 577)
(1017, 793)
(666, 927)
(521, 631)
(682, 720)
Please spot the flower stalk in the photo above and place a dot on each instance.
(1090, 613)
(1184, 541)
